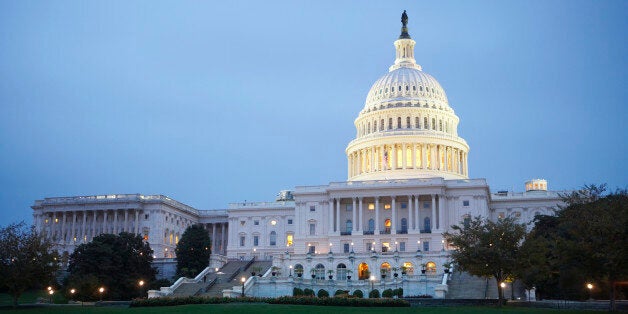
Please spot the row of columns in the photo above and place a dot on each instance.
(413, 208)
(405, 123)
(78, 226)
(213, 229)
(413, 156)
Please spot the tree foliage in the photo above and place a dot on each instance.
(193, 251)
(26, 260)
(115, 262)
(487, 248)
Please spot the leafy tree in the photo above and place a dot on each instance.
(26, 259)
(115, 262)
(593, 236)
(487, 248)
(193, 251)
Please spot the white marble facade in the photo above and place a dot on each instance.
(408, 182)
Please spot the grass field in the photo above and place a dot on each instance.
(279, 309)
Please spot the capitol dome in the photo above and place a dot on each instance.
(407, 128)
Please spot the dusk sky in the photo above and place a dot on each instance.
(225, 101)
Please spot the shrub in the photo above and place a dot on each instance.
(322, 294)
(358, 294)
(156, 284)
(308, 292)
(297, 292)
(398, 292)
(341, 293)
(173, 301)
(374, 294)
(388, 293)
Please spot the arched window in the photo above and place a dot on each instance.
(374, 125)
(414, 88)
(416, 123)
(381, 125)
(387, 225)
(319, 271)
(398, 122)
(390, 124)
(368, 130)
(425, 126)
(341, 271)
(404, 225)
(434, 124)
(430, 267)
(407, 269)
(349, 226)
(363, 271)
(440, 125)
(407, 122)
(371, 225)
(426, 224)
(273, 238)
(298, 269)
(384, 269)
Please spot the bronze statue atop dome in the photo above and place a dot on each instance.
(404, 26)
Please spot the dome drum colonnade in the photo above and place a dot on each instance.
(407, 129)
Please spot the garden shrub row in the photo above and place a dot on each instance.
(297, 300)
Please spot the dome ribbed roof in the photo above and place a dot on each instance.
(406, 85)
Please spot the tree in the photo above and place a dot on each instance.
(593, 235)
(115, 262)
(26, 259)
(487, 248)
(193, 251)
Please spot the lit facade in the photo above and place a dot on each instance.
(408, 181)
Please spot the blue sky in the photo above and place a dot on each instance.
(218, 102)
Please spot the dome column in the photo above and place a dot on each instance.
(394, 156)
(393, 207)
(410, 216)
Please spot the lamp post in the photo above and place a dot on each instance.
(51, 292)
(72, 292)
(101, 290)
(590, 287)
(243, 280)
(141, 285)
(503, 286)
(372, 282)
(290, 270)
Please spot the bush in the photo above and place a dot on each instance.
(358, 294)
(374, 294)
(398, 292)
(322, 294)
(341, 293)
(297, 292)
(308, 292)
(388, 293)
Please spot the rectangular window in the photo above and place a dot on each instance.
(311, 249)
(242, 222)
(465, 203)
(312, 229)
(426, 246)
(146, 217)
(289, 239)
(371, 206)
(404, 205)
(312, 208)
(345, 247)
(255, 240)
(369, 246)
(349, 207)
(386, 206)
(289, 221)
(256, 222)
(426, 205)
(242, 240)
(402, 246)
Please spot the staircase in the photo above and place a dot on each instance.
(230, 278)
(464, 286)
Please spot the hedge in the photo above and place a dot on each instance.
(374, 294)
(302, 300)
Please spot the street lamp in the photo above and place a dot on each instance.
(101, 290)
(51, 292)
(590, 287)
(290, 270)
(372, 282)
(72, 292)
(243, 280)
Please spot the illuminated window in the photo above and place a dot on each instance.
(289, 239)
(387, 223)
(430, 267)
(56, 220)
(371, 206)
(46, 220)
(387, 206)
(408, 268)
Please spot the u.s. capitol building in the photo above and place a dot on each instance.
(408, 181)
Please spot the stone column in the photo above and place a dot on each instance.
(403, 156)
(73, 233)
(417, 212)
(423, 158)
(104, 223)
(413, 156)
(93, 224)
(382, 151)
(338, 215)
(213, 236)
(433, 219)
(136, 222)
(446, 150)
(410, 216)
(394, 156)
(360, 227)
(83, 234)
(63, 231)
(222, 239)
(442, 205)
(377, 215)
(393, 223)
(332, 226)
(115, 221)
(466, 165)
(353, 216)
(126, 220)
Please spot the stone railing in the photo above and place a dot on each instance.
(280, 204)
(114, 198)
(402, 132)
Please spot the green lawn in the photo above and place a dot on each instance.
(29, 297)
(279, 309)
